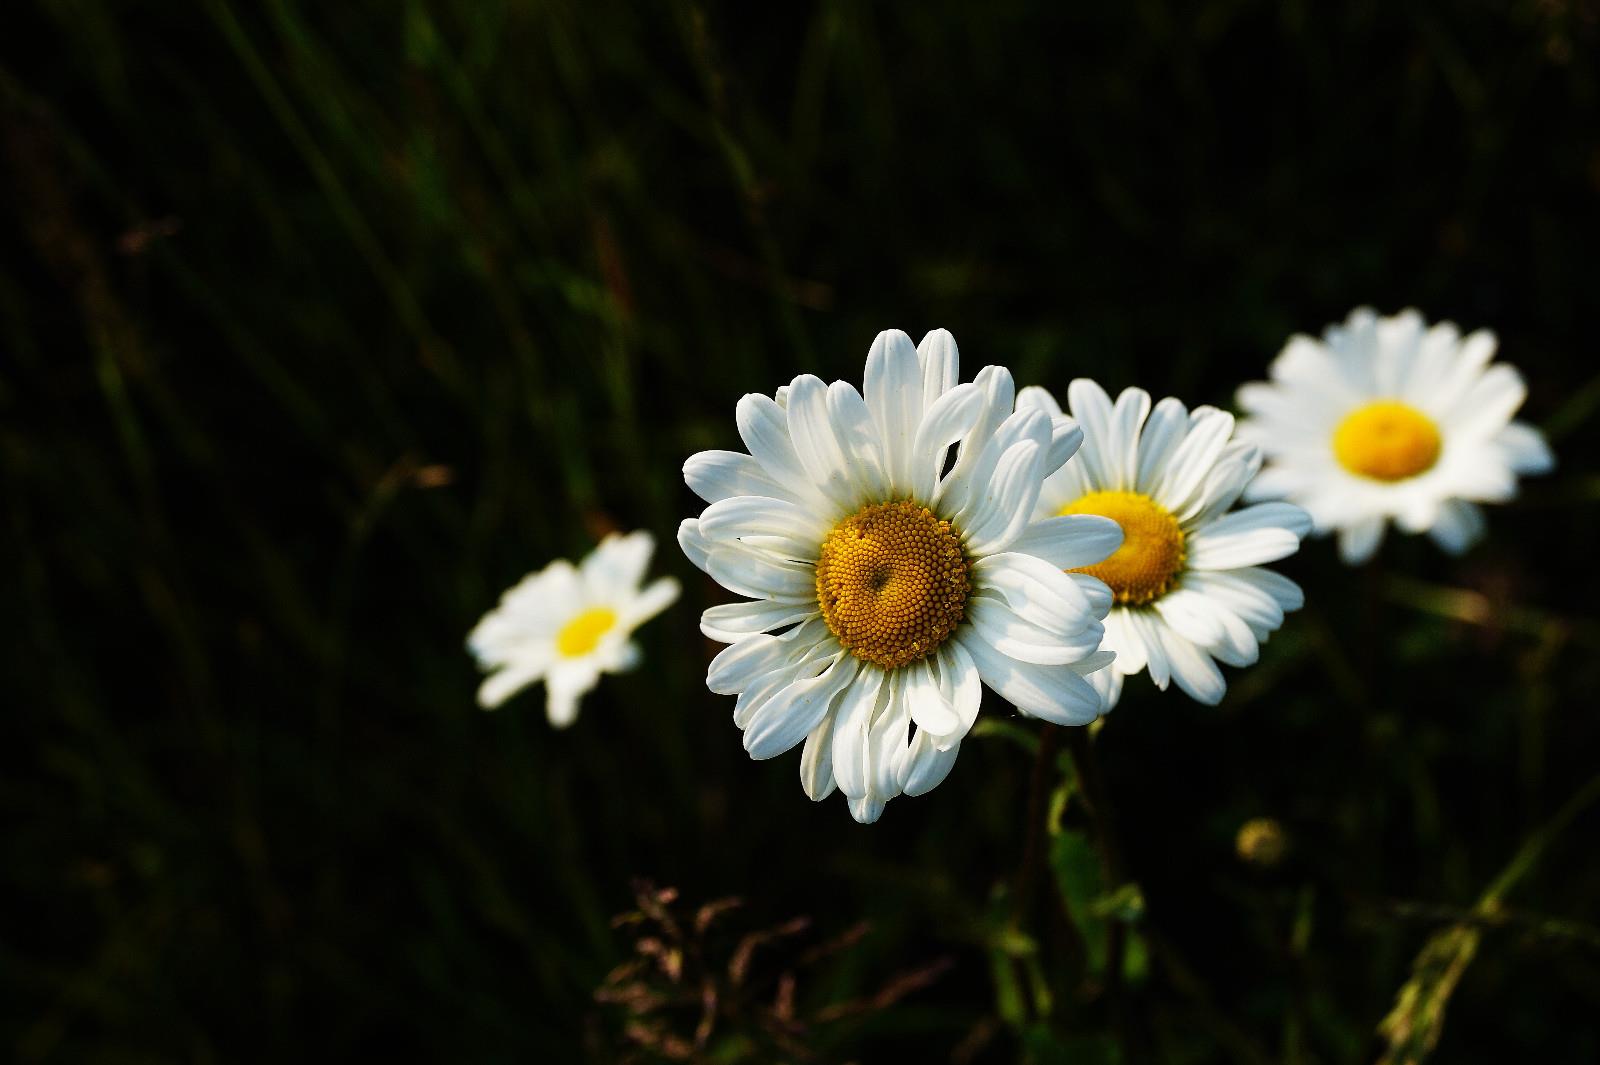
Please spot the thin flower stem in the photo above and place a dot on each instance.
(1098, 803)
(1033, 846)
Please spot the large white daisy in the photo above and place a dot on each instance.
(1189, 581)
(885, 587)
(568, 624)
(1387, 418)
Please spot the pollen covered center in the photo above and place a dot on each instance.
(581, 635)
(892, 582)
(1387, 441)
(1151, 555)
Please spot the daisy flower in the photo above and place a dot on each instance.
(1189, 580)
(1387, 418)
(886, 581)
(568, 624)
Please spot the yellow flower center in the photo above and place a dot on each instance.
(1387, 441)
(892, 582)
(582, 634)
(1151, 555)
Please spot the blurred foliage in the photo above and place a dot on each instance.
(321, 324)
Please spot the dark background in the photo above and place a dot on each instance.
(320, 324)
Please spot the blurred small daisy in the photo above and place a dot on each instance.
(1188, 580)
(568, 624)
(1386, 418)
(885, 582)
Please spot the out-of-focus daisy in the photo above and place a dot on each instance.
(568, 624)
(1387, 418)
(885, 587)
(1189, 581)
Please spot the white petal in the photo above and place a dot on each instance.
(1036, 398)
(981, 449)
(1192, 459)
(656, 597)
(852, 718)
(1488, 405)
(950, 418)
(695, 546)
(785, 719)
(924, 766)
(1036, 589)
(1120, 451)
(866, 811)
(564, 687)
(732, 622)
(616, 566)
(780, 525)
(1108, 683)
(1192, 669)
(1004, 506)
(1091, 408)
(1524, 449)
(816, 761)
(959, 680)
(739, 665)
(858, 437)
(927, 704)
(820, 453)
(1047, 692)
(1188, 614)
(1264, 532)
(764, 428)
(1359, 540)
(941, 365)
(1164, 431)
(1458, 526)
(1022, 639)
(1145, 625)
(716, 475)
(1071, 540)
(1122, 637)
(502, 684)
(759, 575)
(893, 390)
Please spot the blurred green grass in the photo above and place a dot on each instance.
(322, 324)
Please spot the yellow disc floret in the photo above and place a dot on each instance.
(1151, 555)
(582, 634)
(892, 582)
(1387, 441)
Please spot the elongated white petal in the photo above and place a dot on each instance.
(759, 575)
(1359, 540)
(784, 721)
(853, 717)
(695, 546)
(816, 761)
(1048, 692)
(941, 365)
(949, 419)
(731, 622)
(928, 706)
(893, 391)
(1261, 533)
(857, 435)
(1071, 540)
(1164, 431)
(775, 524)
(718, 475)
(822, 456)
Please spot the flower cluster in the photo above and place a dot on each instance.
(900, 547)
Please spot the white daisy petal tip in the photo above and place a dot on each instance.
(862, 530)
(1387, 420)
(567, 625)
